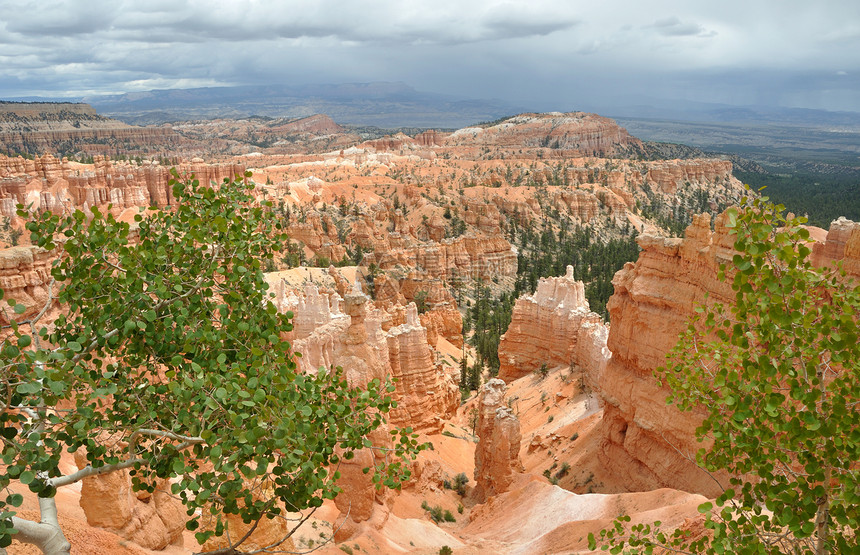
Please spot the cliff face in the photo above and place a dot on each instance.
(643, 440)
(497, 458)
(39, 127)
(425, 394)
(152, 520)
(25, 275)
(104, 140)
(842, 243)
(18, 111)
(468, 256)
(48, 183)
(574, 133)
(357, 342)
(554, 327)
(669, 175)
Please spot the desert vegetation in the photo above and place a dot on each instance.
(777, 373)
(282, 345)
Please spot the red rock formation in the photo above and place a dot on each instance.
(360, 351)
(669, 175)
(553, 327)
(446, 321)
(25, 276)
(319, 234)
(482, 214)
(47, 183)
(109, 140)
(842, 243)
(475, 256)
(261, 534)
(325, 337)
(431, 137)
(317, 124)
(425, 394)
(582, 205)
(645, 441)
(391, 143)
(43, 127)
(497, 457)
(152, 520)
(574, 133)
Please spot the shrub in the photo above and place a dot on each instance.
(460, 481)
(777, 372)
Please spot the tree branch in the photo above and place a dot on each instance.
(88, 471)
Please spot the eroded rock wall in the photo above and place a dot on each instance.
(497, 458)
(151, 520)
(554, 326)
(25, 276)
(475, 256)
(644, 441)
(842, 243)
(46, 183)
(426, 395)
(647, 443)
(575, 133)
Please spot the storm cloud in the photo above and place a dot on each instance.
(545, 54)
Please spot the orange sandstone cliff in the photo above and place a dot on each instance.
(555, 327)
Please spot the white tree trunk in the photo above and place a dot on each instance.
(47, 534)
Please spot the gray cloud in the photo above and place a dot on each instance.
(57, 19)
(553, 54)
(673, 27)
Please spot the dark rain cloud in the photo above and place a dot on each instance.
(553, 54)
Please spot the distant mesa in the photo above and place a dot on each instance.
(573, 133)
(39, 127)
(34, 128)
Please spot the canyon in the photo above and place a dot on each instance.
(389, 237)
(38, 127)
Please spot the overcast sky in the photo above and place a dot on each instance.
(543, 54)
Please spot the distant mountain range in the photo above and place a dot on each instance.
(378, 104)
(397, 104)
(705, 112)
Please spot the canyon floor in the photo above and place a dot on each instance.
(395, 241)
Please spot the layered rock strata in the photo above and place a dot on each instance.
(842, 243)
(356, 341)
(425, 393)
(497, 459)
(554, 326)
(46, 183)
(36, 127)
(25, 276)
(470, 256)
(575, 133)
(647, 443)
(152, 520)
